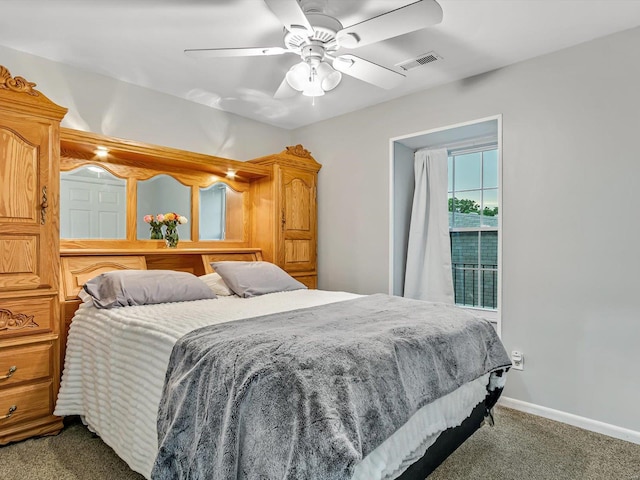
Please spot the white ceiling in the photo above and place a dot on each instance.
(142, 42)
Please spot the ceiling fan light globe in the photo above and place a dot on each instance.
(323, 69)
(331, 81)
(329, 78)
(313, 89)
(298, 76)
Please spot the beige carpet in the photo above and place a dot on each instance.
(527, 447)
(519, 447)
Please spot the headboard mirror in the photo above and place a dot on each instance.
(93, 204)
(220, 209)
(161, 194)
(106, 193)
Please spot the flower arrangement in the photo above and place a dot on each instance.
(155, 226)
(173, 217)
(170, 220)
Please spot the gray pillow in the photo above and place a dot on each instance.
(123, 288)
(250, 279)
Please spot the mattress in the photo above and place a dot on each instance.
(116, 362)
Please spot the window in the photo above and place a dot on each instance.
(473, 226)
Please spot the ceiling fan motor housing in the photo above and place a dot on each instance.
(312, 53)
(324, 33)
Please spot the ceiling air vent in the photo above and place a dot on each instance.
(420, 60)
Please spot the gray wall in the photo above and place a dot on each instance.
(103, 105)
(570, 178)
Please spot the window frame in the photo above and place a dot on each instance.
(491, 313)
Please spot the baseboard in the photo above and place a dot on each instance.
(570, 419)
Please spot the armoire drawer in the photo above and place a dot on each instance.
(311, 281)
(24, 363)
(21, 403)
(21, 316)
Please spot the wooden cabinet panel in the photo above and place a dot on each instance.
(21, 316)
(253, 256)
(25, 363)
(297, 252)
(299, 200)
(299, 220)
(311, 281)
(19, 172)
(18, 254)
(77, 271)
(18, 262)
(298, 193)
(26, 402)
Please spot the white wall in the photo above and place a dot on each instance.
(570, 189)
(106, 106)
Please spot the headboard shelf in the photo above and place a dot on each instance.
(76, 144)
(73, 252)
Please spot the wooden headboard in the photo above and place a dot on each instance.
(79, 266)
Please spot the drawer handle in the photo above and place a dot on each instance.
(12, 409)
(12, 370)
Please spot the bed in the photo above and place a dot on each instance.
(172, 388)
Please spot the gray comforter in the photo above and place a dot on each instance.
(307, 394)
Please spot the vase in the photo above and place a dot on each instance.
(156, 232)
(171, 236)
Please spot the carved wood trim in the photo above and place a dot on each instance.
(16, 84)
(299, 151)
(17, 95)
(15, 321)
(295, 156)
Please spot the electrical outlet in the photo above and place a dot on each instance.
(517, 359)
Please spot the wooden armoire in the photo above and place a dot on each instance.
(29, 260)
(285, 213)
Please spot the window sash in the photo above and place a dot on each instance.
(478, 283)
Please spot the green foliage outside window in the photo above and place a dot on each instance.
(466, 205)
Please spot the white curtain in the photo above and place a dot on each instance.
(428, 272)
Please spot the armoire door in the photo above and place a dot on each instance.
(298, 220)
(28, 203)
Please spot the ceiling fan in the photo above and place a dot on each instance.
(316, 37)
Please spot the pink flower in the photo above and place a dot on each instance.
(148, 218)
(160, 217)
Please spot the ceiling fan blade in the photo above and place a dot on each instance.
(403, 20)
(290, 14)
(285, 90)
(367, 71)
(234, 52)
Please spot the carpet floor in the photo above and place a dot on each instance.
(519, 447)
